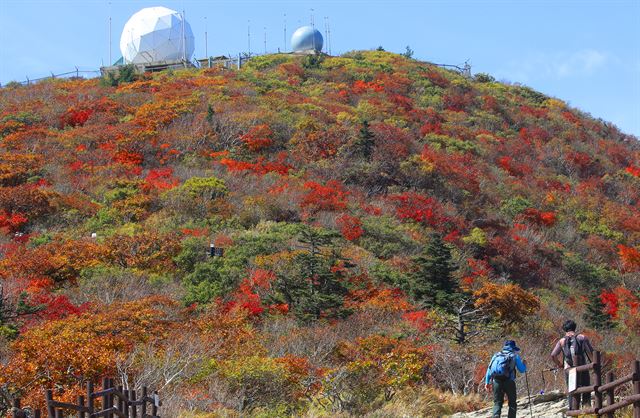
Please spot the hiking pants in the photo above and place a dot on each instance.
(583, 379)
(500, 388)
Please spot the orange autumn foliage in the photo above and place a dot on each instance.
(78, 348)
(509, 302)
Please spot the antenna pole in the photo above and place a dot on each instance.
(249, 36)
(312, 23)
(265, 40)
(184, 40)
(329, 36)
(285, 32)
(110, 59)
(326, 34)
(206, 39)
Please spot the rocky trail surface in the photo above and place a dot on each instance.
(551, 404)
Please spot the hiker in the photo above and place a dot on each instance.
(576, 350)
(501, 374)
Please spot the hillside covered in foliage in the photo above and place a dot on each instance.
(385, 224)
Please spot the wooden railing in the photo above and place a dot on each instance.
(18, 412)
(114, 402)
(605, 391)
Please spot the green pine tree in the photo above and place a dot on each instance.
(365, 142)
(432, 283)
(311, 286)
(595, 315)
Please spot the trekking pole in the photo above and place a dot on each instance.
(526, 379)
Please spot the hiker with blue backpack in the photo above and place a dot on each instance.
(501, 374)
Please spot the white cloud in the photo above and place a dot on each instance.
(556, 65)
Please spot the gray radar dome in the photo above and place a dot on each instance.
(306, 39)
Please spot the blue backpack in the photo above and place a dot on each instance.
(502, 365)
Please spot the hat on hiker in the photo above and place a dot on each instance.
(511, 346)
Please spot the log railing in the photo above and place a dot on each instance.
(604, 400)
(110, 402)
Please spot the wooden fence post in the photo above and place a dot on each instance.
(111, 399)
(90, 406)
(143, 408)
(636, 388)
(154, 406)
(134, 407)
(105, 397)
(610, 396)
(51, 412)
(81, 413)
(17, 411)
(597, 380)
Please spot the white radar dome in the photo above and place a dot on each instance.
(306, 39)
(156, 34)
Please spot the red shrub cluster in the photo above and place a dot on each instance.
(420, 208)
(160, 179)
(539, 217)
(350, 227)
(630, 258)
(258, 138)
(360, 86)
(514, 168)
(329, 197)
(436, 78)
(261, 166)
(633, 170)
(75, 117)
(11, 222)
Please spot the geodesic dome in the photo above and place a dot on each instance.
(306, 39)
(156, 34)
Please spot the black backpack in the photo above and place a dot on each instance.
(573, 351)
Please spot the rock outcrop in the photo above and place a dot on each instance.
(548, 405)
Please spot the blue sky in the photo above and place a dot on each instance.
(582, 51)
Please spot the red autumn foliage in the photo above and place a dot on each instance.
(457, 101)
(419, 319)
(420, 208)
(360, 86)
(537, 112)
(160, 179)
(128, 158)
(489, 103)
(11, 222)
(436, 78)
(534, 134)
(75, 117)
(460, 169)
(350, 227)
(618, 299)
(330, 197)
(480, 269)
(633, 170)
(514, 168)
(630, 258)
(246, 299)
(570, 117)
(579, 158)
(539, 217)
(261, 166)
(195, 232)
(258, 138)
(53, 307)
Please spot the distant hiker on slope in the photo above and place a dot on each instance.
(576, 350)
(501, 373)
